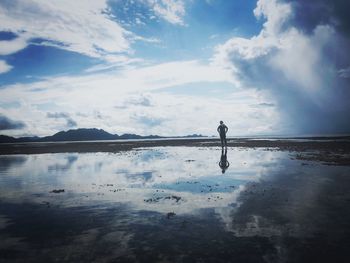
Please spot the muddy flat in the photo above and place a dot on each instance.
(323, 145)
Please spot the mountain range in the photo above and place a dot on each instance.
(92, 134)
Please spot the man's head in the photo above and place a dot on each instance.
(221, 122)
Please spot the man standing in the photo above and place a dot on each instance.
(222, 130)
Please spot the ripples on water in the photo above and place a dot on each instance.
(171, 204)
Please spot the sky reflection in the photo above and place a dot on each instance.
(145, 179)
(167, 203)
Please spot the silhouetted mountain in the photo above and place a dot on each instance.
(130, 136)
(82, 135)
(127, 136)
(194, 135)
(28, 139)
(7, 139)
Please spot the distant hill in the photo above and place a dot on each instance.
(6, 139)
(92, 134)
(80, 135)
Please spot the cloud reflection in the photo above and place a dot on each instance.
(132, 177)
(121, 205)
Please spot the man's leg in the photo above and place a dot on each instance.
(222, 140)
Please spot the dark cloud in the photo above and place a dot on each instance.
(264, 105)
(62, 115)
(307, 75)
(57, 115)
(344, 73)
(98, 115)
(37, 89)
(8, 124)
(330, 114)
(309, 14)
(71, 123)
(141, 100)
(326, 111)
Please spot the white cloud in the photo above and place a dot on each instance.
(4, 67)
(85, 27)
(276, 14)
(262, 44)
(268, 39)
(112, 101)
(172, 11)
(12, 46)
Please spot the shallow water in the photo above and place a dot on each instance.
(173, 204)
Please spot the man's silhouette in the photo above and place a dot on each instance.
(222, 130)
(224, 164)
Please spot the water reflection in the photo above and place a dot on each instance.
(132, 177)
(224, 164)
(172, 204)
(6, 162)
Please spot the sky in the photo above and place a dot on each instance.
(175, 67)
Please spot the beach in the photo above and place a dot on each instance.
(273, 200)
(327, 149)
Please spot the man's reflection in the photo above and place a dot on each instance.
(224, 164)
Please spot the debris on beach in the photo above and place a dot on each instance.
(159, 198)
(170, 215)
(57, 191)
(117, 190)
(46, 203)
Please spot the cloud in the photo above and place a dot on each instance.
(344, 73)
(8, 124)
(4, 67)
(172, 11)
(297, 68)
(70, 123)
(144, 99)
(139, 100)
(86, 27)
(310, 14)
(150, 121)
(265, 104)
(12, 46)
(57, 115)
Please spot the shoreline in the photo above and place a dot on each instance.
(326, 145)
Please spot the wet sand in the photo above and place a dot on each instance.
(169, 201)
(327, 150)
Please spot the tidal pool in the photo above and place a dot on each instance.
(173, 204)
